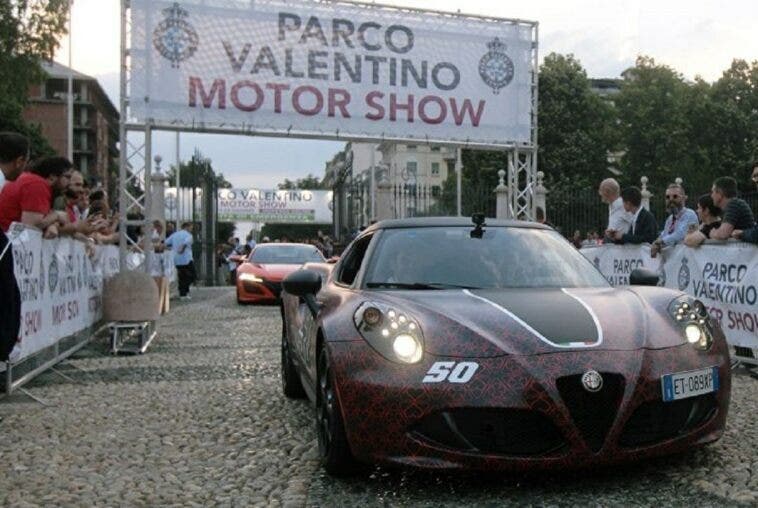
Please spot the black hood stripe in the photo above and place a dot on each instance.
(558, 318)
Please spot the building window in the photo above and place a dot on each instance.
(436, 148)
(435, 169)
(411, 148)
(436, 191)
(410, 172)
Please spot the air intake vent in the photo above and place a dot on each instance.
(658, 421)
(515, 432)
(593, 412)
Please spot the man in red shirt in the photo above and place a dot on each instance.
(29, 199)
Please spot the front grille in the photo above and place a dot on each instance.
(656, 421)
(515, 432)
(593, 412)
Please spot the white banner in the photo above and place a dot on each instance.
(332, 69)
(725, 279)
(723, 276)
(275, 206)
(617, 262)
(61, 288)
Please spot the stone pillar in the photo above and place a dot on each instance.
(646, 194)
(540, 194)
(384, 204)
(502, 210)
(158, 191)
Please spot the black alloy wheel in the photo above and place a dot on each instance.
(291, 384)
(332, 441)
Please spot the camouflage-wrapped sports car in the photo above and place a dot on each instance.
(451, 343)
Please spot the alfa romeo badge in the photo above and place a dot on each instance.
(592, 381)
(495, 67)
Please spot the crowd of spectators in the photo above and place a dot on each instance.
(720, 215)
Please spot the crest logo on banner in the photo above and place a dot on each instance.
(52, 275)
(495, 67)
(174, 38)
(684, 275)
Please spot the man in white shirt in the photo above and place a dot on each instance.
(619, 220)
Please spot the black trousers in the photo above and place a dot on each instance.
(186, 275)
(10, 302)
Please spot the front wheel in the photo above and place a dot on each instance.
(291, 384)
(332, 442)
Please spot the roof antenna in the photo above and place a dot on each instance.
(478, 220)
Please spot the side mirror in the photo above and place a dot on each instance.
(305, 284)
(643, 277)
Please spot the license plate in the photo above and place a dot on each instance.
(682, 385)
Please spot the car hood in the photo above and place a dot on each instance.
(495, 322)
(271, 271)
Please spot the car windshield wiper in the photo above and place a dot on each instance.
(417, 285)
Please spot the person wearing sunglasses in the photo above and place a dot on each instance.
(678, 222)
(749, 235)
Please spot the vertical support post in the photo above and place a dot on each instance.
(178, 182)
(123, 144)
(70, 95)
(147, 226)
(373, 183)
(458, 179)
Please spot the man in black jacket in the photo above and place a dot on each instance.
(644, 229)
(14, 154)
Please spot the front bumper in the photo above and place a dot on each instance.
(520, 413)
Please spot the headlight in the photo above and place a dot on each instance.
(393, 334)
(692, 316)
(249, 277)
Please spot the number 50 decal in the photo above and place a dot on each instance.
(451, 372)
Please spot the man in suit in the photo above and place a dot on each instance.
(644, 229)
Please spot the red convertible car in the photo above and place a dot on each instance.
(442, 343)
(259, 278)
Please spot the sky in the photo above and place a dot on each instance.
(696, 38)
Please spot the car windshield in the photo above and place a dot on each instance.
(286, 254)
(448, 257)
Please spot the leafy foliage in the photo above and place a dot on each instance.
(29, 33)
(310, 182)
(197, 171)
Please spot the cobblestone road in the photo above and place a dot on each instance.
(199, 420)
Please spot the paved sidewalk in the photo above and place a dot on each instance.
(200, 420)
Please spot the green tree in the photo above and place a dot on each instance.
(310, 182)
(576, 126)
(652, 109)
(29, 34)
(195, 172)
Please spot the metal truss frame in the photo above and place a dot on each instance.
(135, 164)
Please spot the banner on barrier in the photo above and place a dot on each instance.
(332, 69)
(616, 262)
(60, 285)
(275, 206)
(723, 277)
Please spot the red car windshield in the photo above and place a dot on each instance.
(286, 254)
